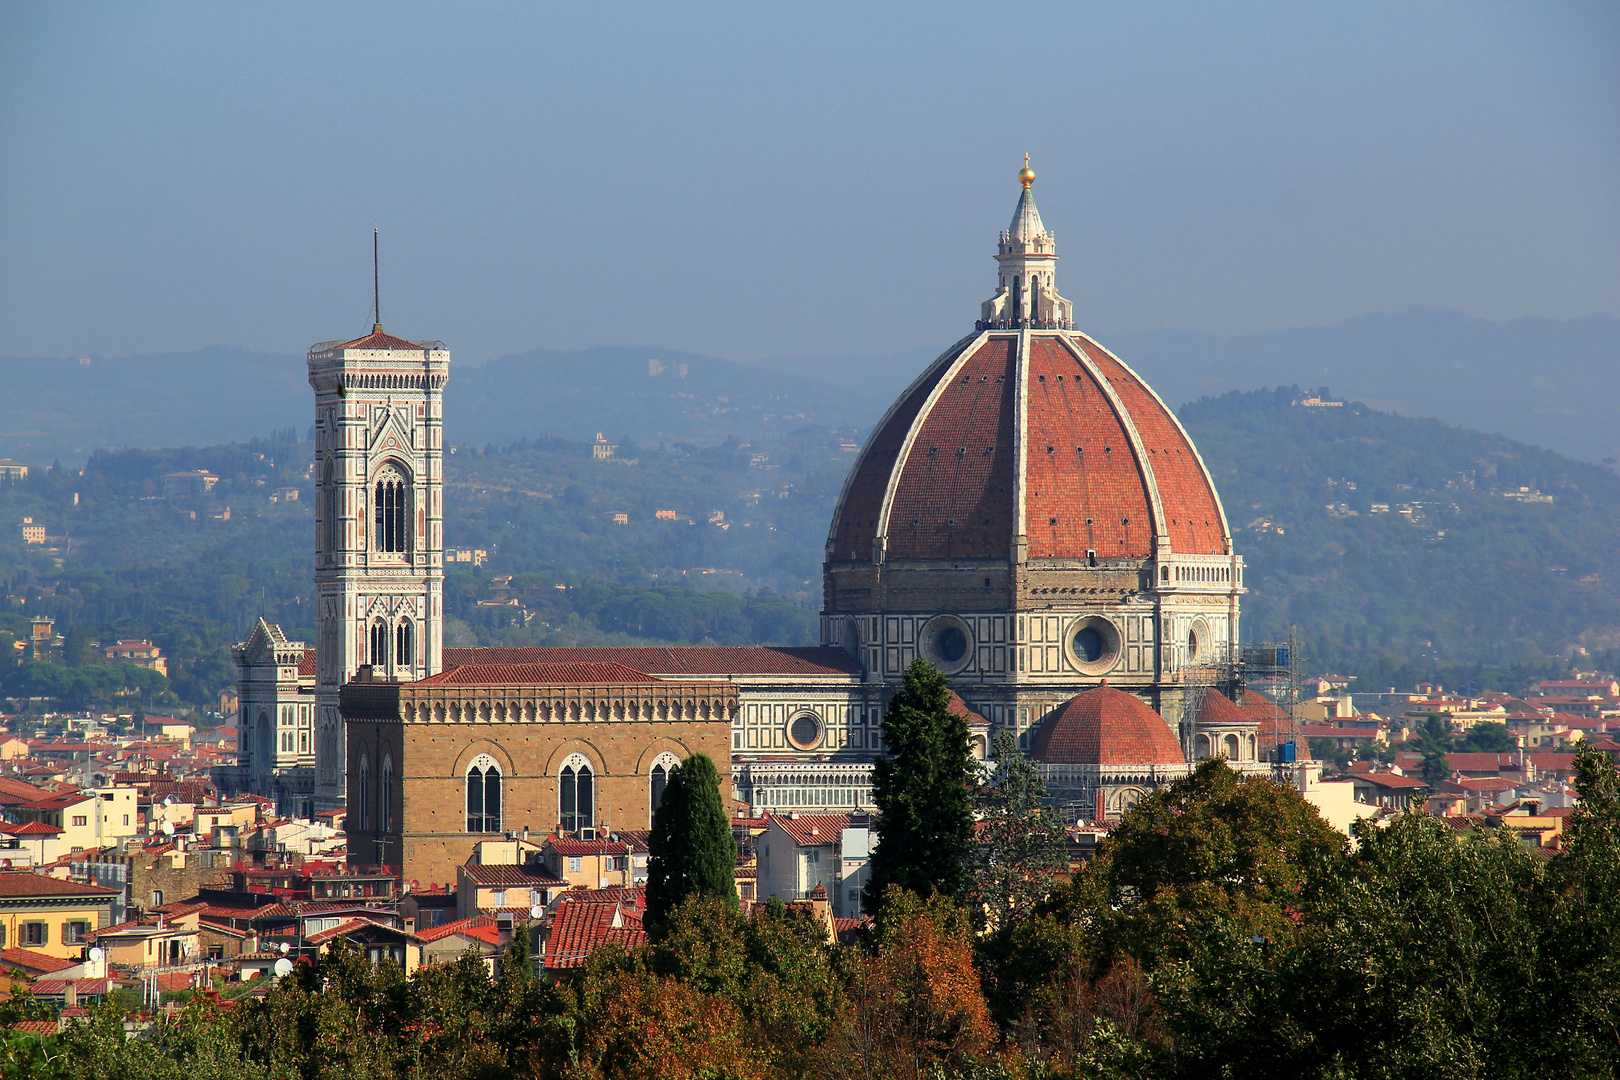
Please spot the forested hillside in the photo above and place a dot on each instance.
(1392, 542)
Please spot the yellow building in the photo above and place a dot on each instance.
(50, 915)
(90, 818)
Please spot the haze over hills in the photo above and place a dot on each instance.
(1548, 383)
(1394, 545)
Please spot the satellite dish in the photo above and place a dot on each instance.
(166, 827)
(97, 955)
(536, 911)
(283, 948)
(283, 967)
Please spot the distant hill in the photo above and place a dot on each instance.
(1391, 541)
(1544, 382)
(1553, 384)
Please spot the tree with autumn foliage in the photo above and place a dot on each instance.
(913, 1004)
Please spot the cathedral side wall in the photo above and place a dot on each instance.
(430, 760)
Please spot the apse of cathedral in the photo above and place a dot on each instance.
(1028, 516)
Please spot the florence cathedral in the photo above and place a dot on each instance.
(1028, 516)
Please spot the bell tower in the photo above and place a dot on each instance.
(379, 524)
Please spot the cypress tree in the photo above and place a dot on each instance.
(921, 786)
(691, 852)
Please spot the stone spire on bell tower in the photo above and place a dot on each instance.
(1026, 293)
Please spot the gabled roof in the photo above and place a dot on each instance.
(496, 876)
(482, 927)
(581, 926)
(813, 830)
(711, 661)
(19, 884)
(626, 843)
(31, 828)
(352, 926)
(495, 674)
(1393, 781)
(35, 963)
(57, 802)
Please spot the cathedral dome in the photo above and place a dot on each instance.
(1105, 726)
(1027, 439)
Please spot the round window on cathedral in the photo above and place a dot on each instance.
(804, 731)
(1093, 645)
(947, 643)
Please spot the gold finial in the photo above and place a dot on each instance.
(1026, 175)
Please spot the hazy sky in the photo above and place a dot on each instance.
(775, 179)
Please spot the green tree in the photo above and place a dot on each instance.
(691, 851)
(921, 787)
(1434, 743)
(1021, 844)
(76, 646)
(1582, 937)
(1489, 738)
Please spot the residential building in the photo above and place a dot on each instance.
(183, 485)
(51, 915)
(800, 851)
(33, 532)
(89, 818)
(140, 653)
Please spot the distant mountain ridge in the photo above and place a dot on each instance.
(1548, 383)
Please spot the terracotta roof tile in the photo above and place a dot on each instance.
(955, 494)
(510, 875)
(379, 340)
(36, 963)
(686, 661)
(810, 830)
(855, 523)
(499, 674)
(582, 926)
(16, 884)
(1105, 726)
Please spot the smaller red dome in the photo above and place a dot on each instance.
(1105, 726)
(1218, 710)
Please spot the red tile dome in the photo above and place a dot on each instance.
(1105, 726)
(1043, 434)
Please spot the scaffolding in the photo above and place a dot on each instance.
(1270, 669)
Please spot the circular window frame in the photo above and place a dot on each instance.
(928, 643)
(1198, 642)
(1112, 641)
(814, 717)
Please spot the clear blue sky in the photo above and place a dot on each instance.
(769, 179)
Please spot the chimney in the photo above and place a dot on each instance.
(70, 995)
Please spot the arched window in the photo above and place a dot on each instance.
(267, 746)
(387, 807)
(379, 644)
(576, 795)
(390, 512)
(362, 804)
(404, 652)
(663, 771)
(1233, 752)
(483, 795)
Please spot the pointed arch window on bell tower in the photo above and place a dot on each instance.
(391, 511)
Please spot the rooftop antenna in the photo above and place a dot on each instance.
(376, 290)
